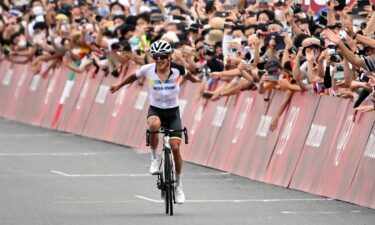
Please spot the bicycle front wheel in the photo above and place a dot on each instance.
(168, 200)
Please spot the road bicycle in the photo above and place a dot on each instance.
(167, 173)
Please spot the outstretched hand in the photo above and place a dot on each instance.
(114, 88)
(329, 34)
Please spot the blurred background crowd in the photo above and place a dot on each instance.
(234, 46)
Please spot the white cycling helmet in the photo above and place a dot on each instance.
(160, 47)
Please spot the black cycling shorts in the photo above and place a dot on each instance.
(169, 118)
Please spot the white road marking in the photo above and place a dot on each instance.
(149, 199)
(61, 153)
(318, 212)
(239, 200)
(125, 174)
(100, 175)
(97, 202)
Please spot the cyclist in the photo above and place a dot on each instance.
(163, 77)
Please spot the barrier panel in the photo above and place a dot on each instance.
(99, 108)
(6, 78)
(54, 95)
(344, 155)
(125, 113)
(238, 113)
(115, 107)
(293, 133)
(189, 101)
(254, 148)
(14, 83)
(136, 118)
(34, 97)
(362, 189)
(204, 131)
(323, 131)
(82, 107)
(68, 100)
(316, 148)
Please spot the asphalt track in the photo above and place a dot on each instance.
(48, 177)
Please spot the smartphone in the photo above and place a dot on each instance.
(273, 78)
(221, 14)
(280, 43)
(364, 78)
(177, 17)
(228, 26)
(341, 5)
(362, 3)
(339, 74)
(279, 3)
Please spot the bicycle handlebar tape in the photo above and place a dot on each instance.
(186, 136)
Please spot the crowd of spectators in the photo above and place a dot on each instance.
(234, 46)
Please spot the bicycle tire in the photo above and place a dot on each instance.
(168, 183)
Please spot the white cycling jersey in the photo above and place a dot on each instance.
(163, 95)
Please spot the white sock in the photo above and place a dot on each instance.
(178, 180)
(153, 154)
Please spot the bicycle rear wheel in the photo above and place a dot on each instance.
(168, 200)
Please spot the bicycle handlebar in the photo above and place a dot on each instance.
(166, 132)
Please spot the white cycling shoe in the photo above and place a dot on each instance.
(154, 167)
(180, 196)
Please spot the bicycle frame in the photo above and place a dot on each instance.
(166, 176)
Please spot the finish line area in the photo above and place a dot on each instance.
(48, 177)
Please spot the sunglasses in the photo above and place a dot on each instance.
(159, 57)
(199, 48)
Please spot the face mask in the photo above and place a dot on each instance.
(252, 52)
(22, 44)
(277, 13)
(76, 51)
(57, 41)
(23, 23)
(124, 2)
(117, 13)
(302, 15)
(65, 28)
(134, 40)
(113, 28)
(41, 35)
(191, 39)
(89, 27)
(38, 10)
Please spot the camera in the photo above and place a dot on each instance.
(234, 52)
(334, 57)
